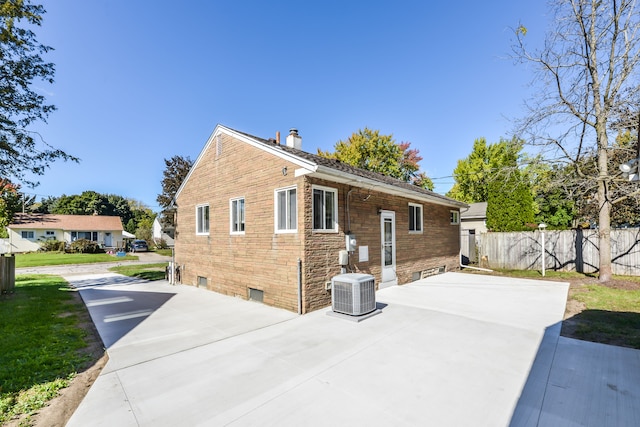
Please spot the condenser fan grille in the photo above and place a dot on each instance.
(353, 294)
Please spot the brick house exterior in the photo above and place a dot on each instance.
(259, 220)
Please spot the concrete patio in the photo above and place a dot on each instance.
(450, 350)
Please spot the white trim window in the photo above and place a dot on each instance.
(325, 208)
(286, 210)
(415, 218)
(30, 235)
(202, 220)
(454, 217)
(236, 206)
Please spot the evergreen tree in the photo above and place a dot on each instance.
(509, 203)
(176, 170)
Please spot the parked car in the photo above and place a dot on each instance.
(139, 246)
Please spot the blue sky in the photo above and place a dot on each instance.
(140, 81)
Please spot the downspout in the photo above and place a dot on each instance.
(299, 286)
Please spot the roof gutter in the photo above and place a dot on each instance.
(358, 181)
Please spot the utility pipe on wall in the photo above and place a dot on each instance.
(299, 286)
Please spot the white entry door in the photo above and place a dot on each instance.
(108, 242)
(388, 235)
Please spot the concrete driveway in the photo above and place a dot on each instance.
(450, 350)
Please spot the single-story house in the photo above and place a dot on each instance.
(267, 221)
(27, 230)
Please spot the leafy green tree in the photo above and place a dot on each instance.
(368, 149)
(144, 228)
(474, 174)
(21, 65)
(118, 206)
(176, 170)
(9, 205)
(87, 203)
(130, 211)
(553, 201)
(46, 205)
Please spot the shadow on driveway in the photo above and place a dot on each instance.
(117, 312)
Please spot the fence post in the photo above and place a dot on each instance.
(7, 273)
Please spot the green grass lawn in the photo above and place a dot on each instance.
(610, 315)
(36, 259)
(143, 271)
(41, 345)
(165, 252)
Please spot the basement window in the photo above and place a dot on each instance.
(256, 295)
(202, 282)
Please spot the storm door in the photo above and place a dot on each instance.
(388, 235)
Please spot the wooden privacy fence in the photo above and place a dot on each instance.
(566, 250)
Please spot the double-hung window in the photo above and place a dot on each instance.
(325, 209)
(202, 219)
(454, 217)
(237, 215)
(286, 208)
(28, 234)
(415, 218)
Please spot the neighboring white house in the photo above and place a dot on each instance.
(162, 233)
(473, 222)
(474, 218)
(26, 231)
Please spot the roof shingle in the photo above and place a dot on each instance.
(67, 222)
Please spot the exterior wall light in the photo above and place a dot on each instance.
(630, 170)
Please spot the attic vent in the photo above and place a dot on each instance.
(218, 146)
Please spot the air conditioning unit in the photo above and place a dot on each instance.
(353, 294)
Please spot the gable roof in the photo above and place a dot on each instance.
(328, 169)
(66, 222)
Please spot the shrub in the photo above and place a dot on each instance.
(85, 246)
(161, 244)
(52, 246)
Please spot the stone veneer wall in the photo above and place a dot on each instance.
(259, 259)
